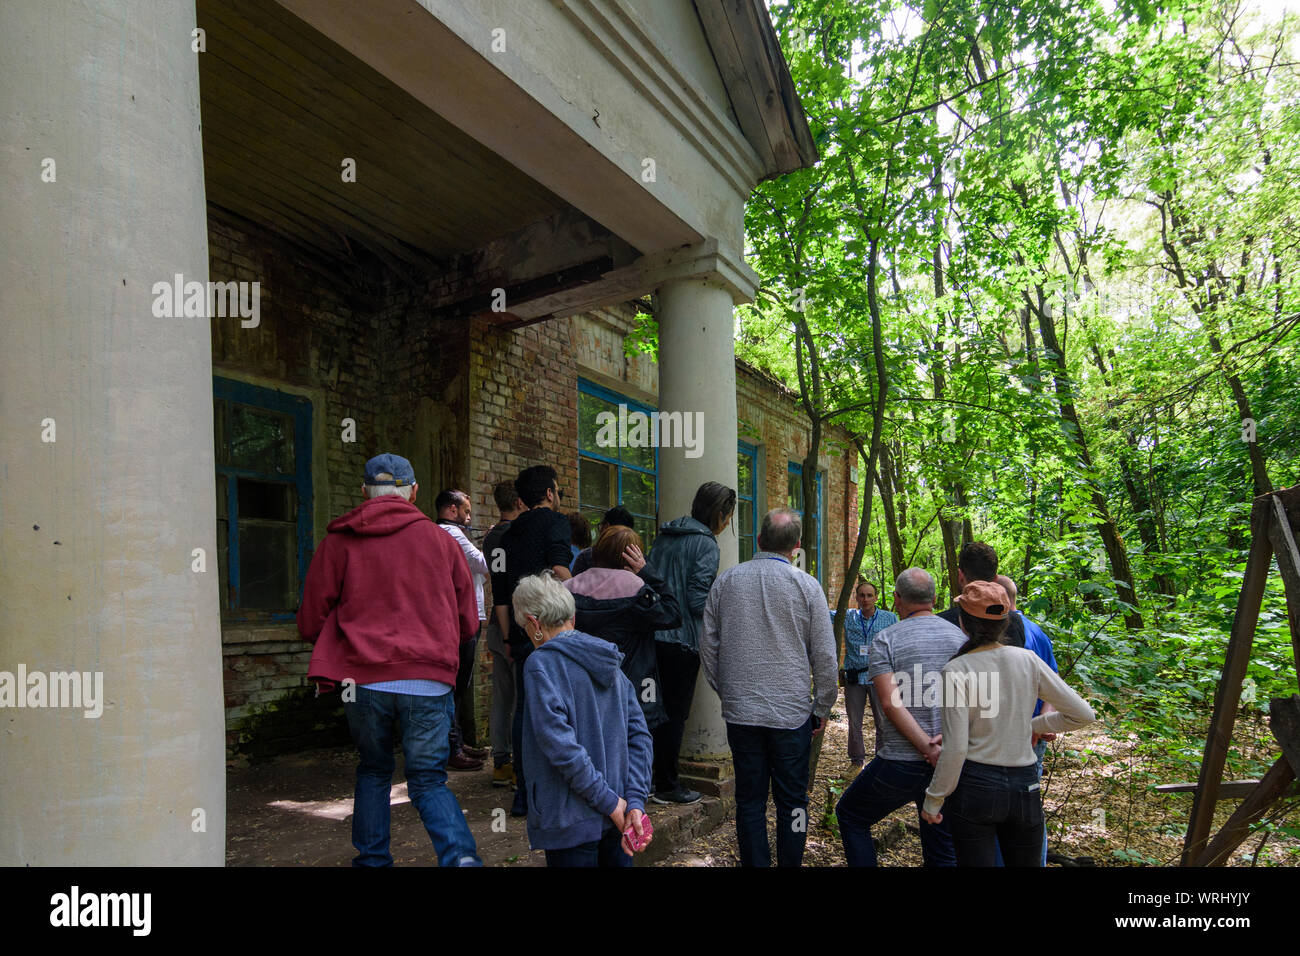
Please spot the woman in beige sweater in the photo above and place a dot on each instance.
(987, 770)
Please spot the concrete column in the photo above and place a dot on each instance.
(697, 373)
(106, 453)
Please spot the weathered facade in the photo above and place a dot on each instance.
(470, 405)
(424, 192)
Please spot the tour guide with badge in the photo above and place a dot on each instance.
(861, 625)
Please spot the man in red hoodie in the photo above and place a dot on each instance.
(387, 601)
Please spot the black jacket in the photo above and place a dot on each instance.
(536, 540)
(613, 606)
(686, 553)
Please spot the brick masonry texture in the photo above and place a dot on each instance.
(468, 402)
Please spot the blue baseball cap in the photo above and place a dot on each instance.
(394, 465)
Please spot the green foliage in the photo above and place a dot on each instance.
(1071, 229)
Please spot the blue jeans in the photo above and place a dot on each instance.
(1040, 749)
(422, 723)
(769, 757)
(879, 789)
(607, 851)
(996, 807)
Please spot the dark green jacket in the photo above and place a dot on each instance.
(686, 555)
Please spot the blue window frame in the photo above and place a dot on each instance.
(611, 472)
(814, 551)
(747, 481)
(264, 499)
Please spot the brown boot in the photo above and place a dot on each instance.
(459, 761)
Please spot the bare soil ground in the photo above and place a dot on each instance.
(1099, 798)
(1099, 795)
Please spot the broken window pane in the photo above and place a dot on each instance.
(268, 556)
(261, 440)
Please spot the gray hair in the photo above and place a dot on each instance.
(1007, 585)
(781, 531)
(915, 586)
(376, 491)
(542, 596)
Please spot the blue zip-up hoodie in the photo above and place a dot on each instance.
(585, 741)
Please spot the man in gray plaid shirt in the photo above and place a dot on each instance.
(767, 637)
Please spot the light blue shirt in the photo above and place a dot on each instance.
(858, 635)
(416, 688)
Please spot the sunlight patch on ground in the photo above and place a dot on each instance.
(335, 809)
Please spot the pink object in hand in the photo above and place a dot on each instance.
(639, 844)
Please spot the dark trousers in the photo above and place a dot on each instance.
(607, 851)
(520, 653)
(678, 668)
(996, 807)
(769, 757)
(1040, 749)
(880, 788)
(463, 730)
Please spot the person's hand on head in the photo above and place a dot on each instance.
(633, 558)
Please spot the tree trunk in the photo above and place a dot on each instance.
(1111, 539)
(948, 528)
(885, 481)
(1258, 471)
(1139, 499)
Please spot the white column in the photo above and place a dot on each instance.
(697, 373)
(98, 526)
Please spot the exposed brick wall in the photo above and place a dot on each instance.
(773, 417)
(312, 338)
(309, 336)
(523, 410)
(468, 403)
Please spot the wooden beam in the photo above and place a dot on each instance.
(1286, 514)
(1272, 788)
(726, 54)
(1284, 722)
(1228, 789)
(1228, 695)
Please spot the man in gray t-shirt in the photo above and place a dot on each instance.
(912, 653)
(906, 668)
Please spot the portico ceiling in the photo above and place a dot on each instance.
(283, 107)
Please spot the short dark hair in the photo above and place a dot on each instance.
(713, 503)
(533, 483)
(781, 531)
(505, 495)
(617, 516)
(448, 498)
(580, 531)
(869, 583)
(978, 561)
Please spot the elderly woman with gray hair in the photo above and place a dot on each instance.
(587, 753)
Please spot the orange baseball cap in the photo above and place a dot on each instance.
(986, 599)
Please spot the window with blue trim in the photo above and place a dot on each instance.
(264, 498)
(747, 499)
(610, 472)
(812, 549)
